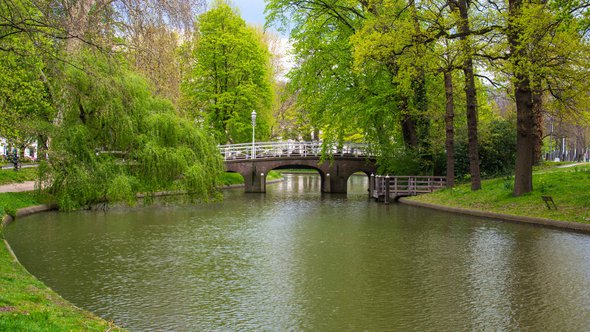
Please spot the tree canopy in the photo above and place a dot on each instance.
(230, 76)
(391, 71)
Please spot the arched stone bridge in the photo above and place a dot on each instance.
(254, 161)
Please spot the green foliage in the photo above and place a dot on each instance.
(497, 150)
(230, 77)
(235, 178)
(115, 140)
(24, 98)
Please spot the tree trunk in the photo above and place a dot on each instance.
(409, 130)
(77, 23)
(449, 129)
(470, 95)
(42, 147)
(538, 129)
(525, 137)
(525, 117)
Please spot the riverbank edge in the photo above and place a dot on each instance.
(85, 315)
(34, 209)
(556, 224)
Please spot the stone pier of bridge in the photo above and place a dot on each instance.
(334, 173)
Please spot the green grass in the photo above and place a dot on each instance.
(26, 304)
(569, 188)
(22, 175)
(10, 202)
(235, 178)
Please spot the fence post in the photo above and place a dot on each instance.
(371, 185)
(387, 189)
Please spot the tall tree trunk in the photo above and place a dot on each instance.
(538, 130)
(409, 131)
(450, 129)
(415, 123)
(42, 147)
(525, 137)
(525, 117)
(470, 95)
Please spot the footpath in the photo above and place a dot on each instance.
(17, 187)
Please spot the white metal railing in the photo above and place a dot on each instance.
(290, 149)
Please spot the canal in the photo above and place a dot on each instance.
(294, 259)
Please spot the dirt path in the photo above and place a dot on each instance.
(17, 187)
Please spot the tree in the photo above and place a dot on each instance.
(25, 101)
(547, 52)
(347, 90)
(461, 6)
(115, 139)
(230, 76)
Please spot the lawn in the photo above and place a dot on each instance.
(569, 187)
(26, 304)
(22, 175)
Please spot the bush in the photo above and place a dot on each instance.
(497, 151)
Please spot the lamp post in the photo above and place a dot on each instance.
(253, 115)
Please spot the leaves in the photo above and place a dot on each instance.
(116, 140)
(230, 76)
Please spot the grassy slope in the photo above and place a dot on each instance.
(569, 188)
(26, 304)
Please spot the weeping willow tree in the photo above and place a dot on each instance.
(113, 139)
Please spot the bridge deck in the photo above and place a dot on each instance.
(291, 149)
(387, 188)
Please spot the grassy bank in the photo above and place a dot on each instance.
(26, 304)
(569, 188)
(235, 178)
(22, 175)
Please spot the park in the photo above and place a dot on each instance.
(341, 165)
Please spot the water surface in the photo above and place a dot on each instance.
(294, 259)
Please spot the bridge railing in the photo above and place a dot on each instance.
(387, 187)
(261, 150)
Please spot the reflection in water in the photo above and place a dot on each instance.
(296, 259)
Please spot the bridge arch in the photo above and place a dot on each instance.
(334, 174)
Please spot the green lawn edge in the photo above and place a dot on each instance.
(569, 187)
(27, 304)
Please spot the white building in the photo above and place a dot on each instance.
(30, 151)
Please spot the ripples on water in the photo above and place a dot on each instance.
(294, 259)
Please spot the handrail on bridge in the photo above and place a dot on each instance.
(286, 149)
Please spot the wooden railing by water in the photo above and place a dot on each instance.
(387, 188)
